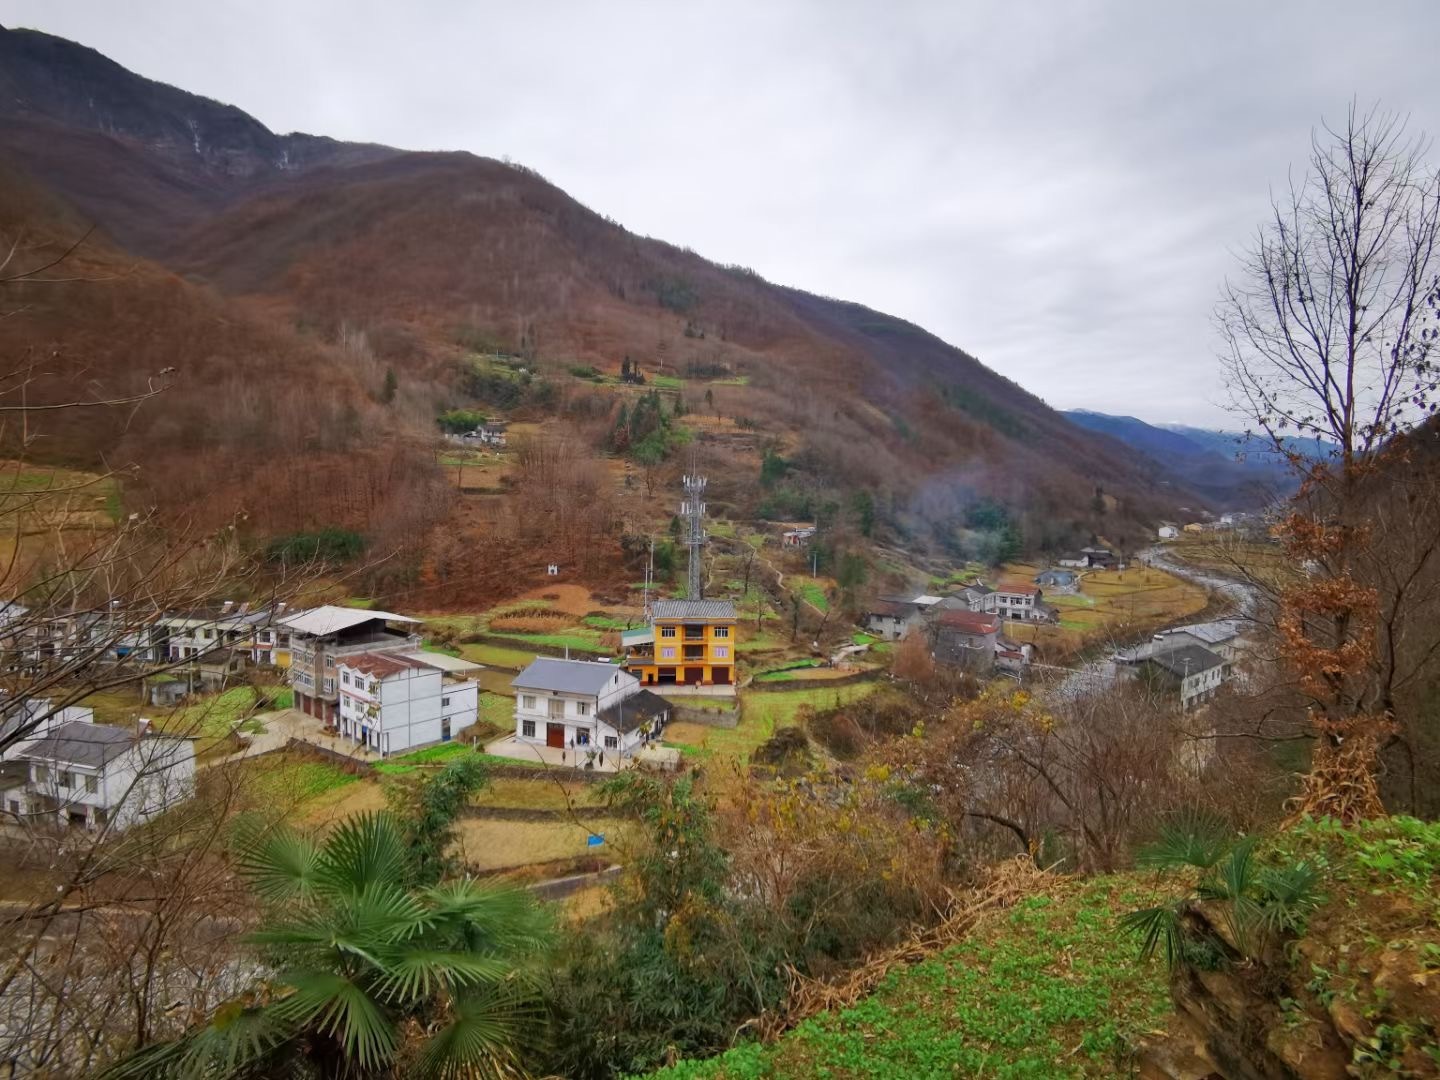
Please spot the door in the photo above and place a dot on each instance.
(445, 730)
(694, 675)
(555, 735)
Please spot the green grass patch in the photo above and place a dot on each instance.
(277, 697)
(862, 638)
(812, 592)
(285, 780)
(497, 709)
(608, 622)
(1046, 989)
(507, 656)
(666, 382)
(366, 603)
(584, 640)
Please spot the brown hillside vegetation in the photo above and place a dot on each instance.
(338, 297)
(250, 418)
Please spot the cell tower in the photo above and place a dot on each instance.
(693, 511)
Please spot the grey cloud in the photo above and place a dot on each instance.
(1057, 188)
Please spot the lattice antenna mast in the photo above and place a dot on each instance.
(693, 511)
(649, 580)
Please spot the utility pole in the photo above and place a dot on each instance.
(693, 510)
(649, 578)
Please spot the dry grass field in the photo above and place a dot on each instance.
(1111, 604)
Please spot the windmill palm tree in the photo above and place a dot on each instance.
(368, 969)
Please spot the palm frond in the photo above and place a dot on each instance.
(502, 919)
(1157, 927)
(368, 849)
(483, 1037)
(336, 1006)
(282, 865)
(412, 975)
(1287, 895)
(238, 1041)
(1191, 837)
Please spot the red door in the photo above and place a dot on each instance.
(555, 735)
(694, 675)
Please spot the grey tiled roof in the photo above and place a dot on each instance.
(566, 676)
(78, 743)
(693, 609)
(1187, 660)
(629, 713)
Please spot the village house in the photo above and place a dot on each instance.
(892, 617)
(320, 637)
(585, 707)
(89, 775)
(688, 642)
(794, 538)
(1076, 560)
(1221, 637)
(399, 701)
(1058, 581)
(965, 639)
(973, 597)
(1098, 558)
(1013, 656)
(1168, 530)
(1195, 528)
(1015, 600)
(1192, 671)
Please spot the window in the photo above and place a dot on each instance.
(668, 654)
(92, 784)
(209, 635)
(329, 660)
(722, 632)
(329, 686)
(667, 631)
(611, 742)
(444, 701)
(42, 774)
(66, 779)
(557, 708)
(582, 736)
(527, 701)
(344, 678)
(582, 708)
(266, 637)
(722, 652)
(527, 728)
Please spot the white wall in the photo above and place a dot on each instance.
(410, 709)
(621, 686)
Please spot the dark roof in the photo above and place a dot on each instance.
(1017, 588)
(629, 713)
(1187, 660)
(79, 743)
(566, 676)
(894, 609)
(693, 609)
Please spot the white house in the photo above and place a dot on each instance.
(1016, 601)
(320, 637)
(586, 707)
(392, 702)
(1221, 637)
(892, 617)
(90, 775)
(1193, 670)
(1168, 530)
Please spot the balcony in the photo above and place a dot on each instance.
(694, 633)
(694, 653)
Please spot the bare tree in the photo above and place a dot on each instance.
(1328, 336)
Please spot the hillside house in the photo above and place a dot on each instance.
(1168, 530)
(1074, 560)
(1013, 656)
(1059, 581)
(892, 617)
(321, 637)
(965, 639)
(1221, 637)
(796, 538)
(23, 721)
(399, 701)
(1191, 671)
(89, 775)
(1014, 600)
(587, 707)
(1098, 558)
(973, 597)
(1195, 528)
(688, 643)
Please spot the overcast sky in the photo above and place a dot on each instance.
(1057, 188)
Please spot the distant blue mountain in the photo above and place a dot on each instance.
(1228, 468)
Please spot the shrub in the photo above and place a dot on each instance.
(330, 545)
(460, 421)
